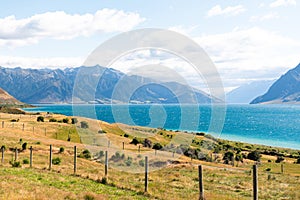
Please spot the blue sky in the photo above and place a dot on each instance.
(247, 40)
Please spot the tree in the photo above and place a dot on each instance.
(66, 120)
(157, 146)
(40, 119)
(84, 124)
(74, 120)
(24, 146)
(135, 141)
(147, 143)
(279, 159)
(228, 157)
(254, 155)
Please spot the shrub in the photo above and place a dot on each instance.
(85, 154)
(117, 157)
(61, 149)
(66, 120)
(15, 163)
(40, 119)
(142, 163)
(126, 135)
(200, 134)
(254, 155)
(74, 120)
(56, 161)
(228, 156)
(298, 161)
(24, 146)
(147, 143)
(239, 157)
(14, 120)
(101, 131)
(135, 141)
(268, 169)
(157, 146)
(128, 162)
(101, 154)
(84, 124)
(3, 147)
(52, 120)
(25, 161)
(279, 159)
(88, 197)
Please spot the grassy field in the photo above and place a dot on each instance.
(178, 179)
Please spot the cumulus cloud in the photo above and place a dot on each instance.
(229, 11)
(241, 56)
(279, 3)
(251, 54)
(62, 26)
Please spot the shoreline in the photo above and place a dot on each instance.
(226, 136)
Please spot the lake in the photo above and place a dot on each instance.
(274, 125)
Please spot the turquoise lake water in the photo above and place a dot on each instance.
(274, 125)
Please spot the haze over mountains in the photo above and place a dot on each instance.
(56, 86)
(247, 92)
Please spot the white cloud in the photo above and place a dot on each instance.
(279, 3)
(38, 63)
(60, 25)
(241, 56)
(229, 11)
(251, 54)
(265, 17)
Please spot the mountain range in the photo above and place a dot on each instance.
(94, 85)
(284, 90)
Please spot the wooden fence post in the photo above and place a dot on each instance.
(106, 164)
(255, 183)
(30, 156)
(2, 124)
(201, 188)
(139, 148)
(155, 151)
(281, 168)
(23, 127)
(16, 154)
(2, 157)
(146, 173)
(123, 145)
(50, 157)
(108, 143)
(75, 159)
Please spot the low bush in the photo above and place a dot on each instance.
(61, 149)
(52, 120)
(56, 161)
(40, 119)
(25, 161)
(15, 164)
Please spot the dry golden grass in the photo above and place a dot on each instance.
(176, 181)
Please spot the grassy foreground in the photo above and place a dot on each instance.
(176, 180)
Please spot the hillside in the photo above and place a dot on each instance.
(285, 90)
(172, 176)
(94, 85)
(7, 99)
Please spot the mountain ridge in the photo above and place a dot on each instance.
(95, 84)
(286, 89)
